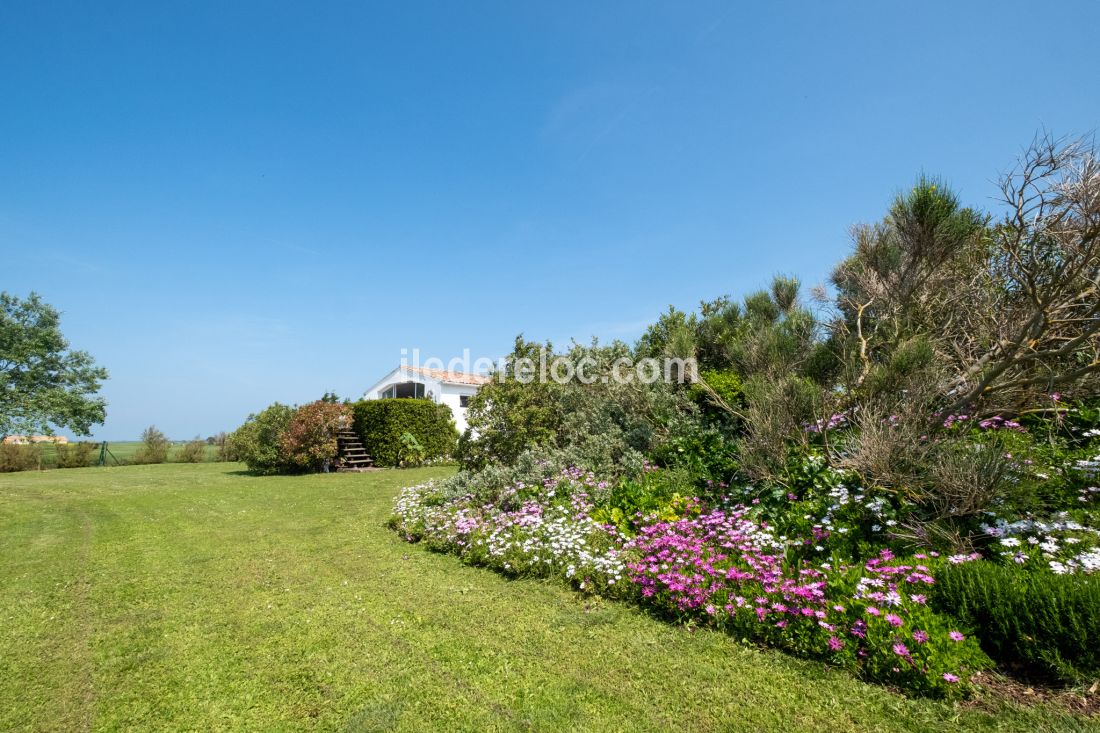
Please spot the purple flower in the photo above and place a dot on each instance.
(920, 636)
(955, 636)
(901, 650)
(873, 611)
(952, 678)
(835, 644)
(893, 619)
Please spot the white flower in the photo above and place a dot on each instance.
(1010, 542)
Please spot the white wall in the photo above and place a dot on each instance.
(451, 395)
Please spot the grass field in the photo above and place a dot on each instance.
(194, 597)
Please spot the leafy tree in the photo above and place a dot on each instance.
(508, 416)
(42, 382)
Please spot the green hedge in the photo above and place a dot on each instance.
(1047, 623)
(381, 423)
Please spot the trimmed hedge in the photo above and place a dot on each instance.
(381, 423)
(1048, 623)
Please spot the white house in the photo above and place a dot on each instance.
(453, 389)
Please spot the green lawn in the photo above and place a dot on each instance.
(194, 597)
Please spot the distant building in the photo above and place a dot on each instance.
(453, 389)
(25, 440)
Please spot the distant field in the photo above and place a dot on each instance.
(123, 451)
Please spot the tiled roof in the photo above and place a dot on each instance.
(450, 377)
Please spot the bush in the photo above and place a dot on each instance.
(309, 441)
(258, 441)
(725, 384)
(154, 448)
(382, 423)
(19, 457)
(76, 455)
(193, 451)
(412, 452)
(1047, 623)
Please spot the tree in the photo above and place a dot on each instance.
(987, 315)
(154, 447)
(42, 382)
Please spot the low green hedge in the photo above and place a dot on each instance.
(1048, 623)
(381, 423)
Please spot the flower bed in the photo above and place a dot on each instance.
(723, 566)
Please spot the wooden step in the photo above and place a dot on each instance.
(353, 456)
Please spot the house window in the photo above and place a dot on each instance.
(464, 401)
(403, 389)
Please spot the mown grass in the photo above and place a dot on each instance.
(194, 597)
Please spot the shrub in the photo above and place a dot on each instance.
(76, 455)
(193, 451)
(382, 423)
(154, 447)
(309, 441)
(725, 384)
(412, 452)
(19, 457)
(258, 441)
(1047, 623)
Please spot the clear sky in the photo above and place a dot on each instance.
(237, 203)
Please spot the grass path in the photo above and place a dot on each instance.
(192, 597)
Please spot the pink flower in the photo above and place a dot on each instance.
(901, 650)
(952, 678)
(873, 611)
(893, 619)
(918, 598)
(835, 644)
(955, 636)
(920, 636)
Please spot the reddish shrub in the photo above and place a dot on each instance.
(309, 441)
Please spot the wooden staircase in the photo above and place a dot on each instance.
(353, 456)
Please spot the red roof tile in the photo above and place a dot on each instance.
(450, 377)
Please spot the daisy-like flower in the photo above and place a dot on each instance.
(873, 611)
(835, 644)
(952, 678)
(893, 619)
(901, 650)
(920, 636)
(955, 636)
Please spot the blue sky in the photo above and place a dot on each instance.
(238, 203)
